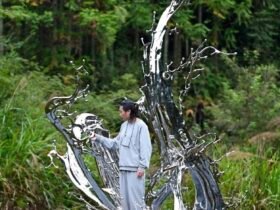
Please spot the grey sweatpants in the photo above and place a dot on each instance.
(132, 190)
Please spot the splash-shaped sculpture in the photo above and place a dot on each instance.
(180, 152)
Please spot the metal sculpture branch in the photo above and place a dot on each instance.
(179, 151)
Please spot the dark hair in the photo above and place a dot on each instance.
(130, 105)
(200, 106)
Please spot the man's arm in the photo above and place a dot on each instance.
(107, 142)
(145, 148)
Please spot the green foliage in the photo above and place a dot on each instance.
(192, 31)
(247, 108)
(264, 30)
(140, 16)
(10, 65)
(243, 11)
(20, 14)
(211, 81)
(220, 8)
(248, 179)
(25, 137)
(126, 81)
(106, 24)
(24, 179)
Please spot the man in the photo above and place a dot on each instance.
(135, 149)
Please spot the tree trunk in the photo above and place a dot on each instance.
(200, 14)
(136, 42)
(54, 36)
(1, 33)
(111, 60)
(92, 49)
(69, 37)
(187, 46)
(200, 17)
(177, 49)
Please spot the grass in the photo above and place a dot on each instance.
(25, 183)
(251, 180)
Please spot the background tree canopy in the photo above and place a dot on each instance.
(240, 94)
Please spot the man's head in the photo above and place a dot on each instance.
(128, 110)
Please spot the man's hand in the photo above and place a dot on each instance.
(92, 136)
(140, 172)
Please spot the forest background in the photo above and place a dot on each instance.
(240, 94)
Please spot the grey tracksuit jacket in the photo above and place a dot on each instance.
(134, 144)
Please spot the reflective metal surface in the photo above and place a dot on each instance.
(180, 152)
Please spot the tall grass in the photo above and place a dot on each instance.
(251, 180)
(25, 183)
(25, 140)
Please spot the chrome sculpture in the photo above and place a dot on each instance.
(180, 152)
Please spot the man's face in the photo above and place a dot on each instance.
(123, 114)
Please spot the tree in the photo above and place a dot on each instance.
(1, 32)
